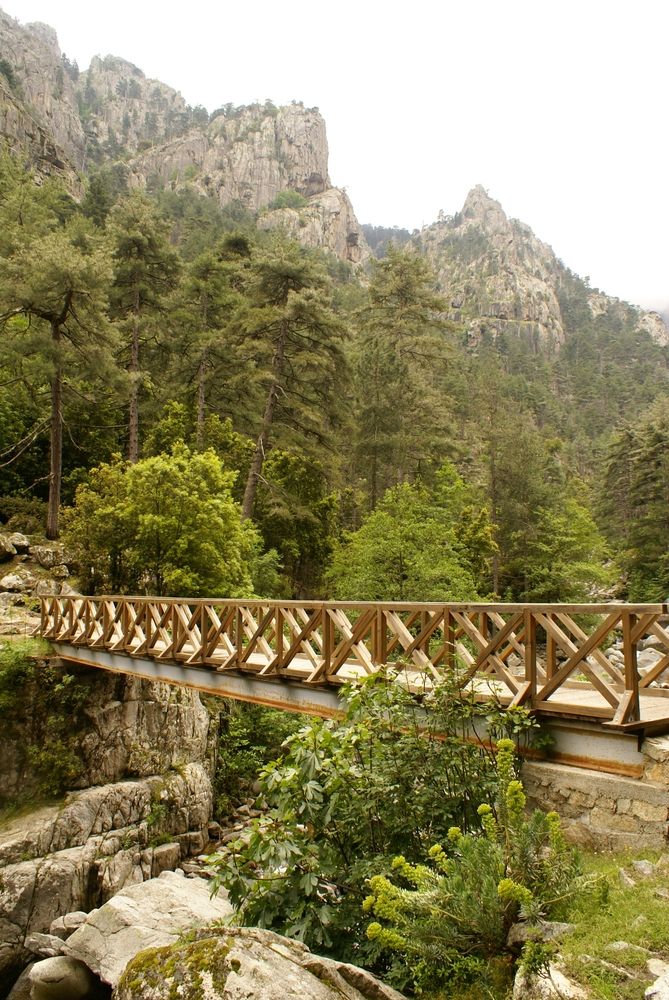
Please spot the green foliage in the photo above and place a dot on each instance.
(42, 706)
(288, 199)
(166, 525)
(7, 71)
(442, 920)
(635, 502)
(296, 515)
(415, 546)
(250, 736)
(402, 425)
(345, 797)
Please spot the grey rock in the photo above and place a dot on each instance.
(46, 588)
(248, 963)
(166, 857)
(626, 880)
(46, 555)
(143, 916)
(554, 986)
(20, 542)
(13, 582)
(647, 658)
(60, 572)
(544, 930)
(61, 978)
(214, 831)
(44, 945)
(644, 868)
(659, 990)
(22, 987)
(63, 926)
(626, 946)
(7, 550)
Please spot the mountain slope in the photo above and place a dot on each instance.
(503, 281)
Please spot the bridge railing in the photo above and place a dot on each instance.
(580, 659)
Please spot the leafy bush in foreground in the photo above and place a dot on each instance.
(446, 921)
(349, 795)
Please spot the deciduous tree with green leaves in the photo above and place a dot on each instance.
(165, 525)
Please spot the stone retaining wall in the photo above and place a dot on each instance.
(603, 810)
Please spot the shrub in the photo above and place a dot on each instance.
(349, 794)
(473, 888)
(250, 736)
(288, 199)
(42, 710)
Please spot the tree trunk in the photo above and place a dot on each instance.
(263, 437)
(494, 513)
(133, 416)
(201, 401)
(56, 456)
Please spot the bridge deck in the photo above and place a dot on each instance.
(607, 664)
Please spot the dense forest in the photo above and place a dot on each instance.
(201, 407)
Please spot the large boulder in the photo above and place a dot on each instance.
(149, 915)
(60, 978)
(231, 963)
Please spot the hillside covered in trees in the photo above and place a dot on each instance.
(210, 387)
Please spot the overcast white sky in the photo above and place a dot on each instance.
(560, 109)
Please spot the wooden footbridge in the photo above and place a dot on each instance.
(595, 669)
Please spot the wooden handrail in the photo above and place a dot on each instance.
(552, 658)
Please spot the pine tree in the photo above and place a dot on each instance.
(295, 338)
(145, 271)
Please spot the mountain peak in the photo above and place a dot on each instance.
(480, 208)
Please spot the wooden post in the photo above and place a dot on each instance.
(632, 712)
(380, 645)
(449, 640)
(328, 640)
(239, 636)
(551, 653)
(278, 626)
(531, 657)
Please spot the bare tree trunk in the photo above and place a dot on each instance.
(201, 401)
(263, 437)
(495, 518)
(56, 456)
(133, 416)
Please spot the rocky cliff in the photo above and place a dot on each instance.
(502, 281)
(39, 118)
(65, 122)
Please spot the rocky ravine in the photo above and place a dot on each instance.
(143, 802)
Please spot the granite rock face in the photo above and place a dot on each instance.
(39, 117)
(503, 281)
(72, 858)
(132, 728)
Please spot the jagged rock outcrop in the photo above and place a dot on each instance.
(64, 121)
(327, 220)
(247, 155)
(39, 116)
(125, 111)
(502, 280)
